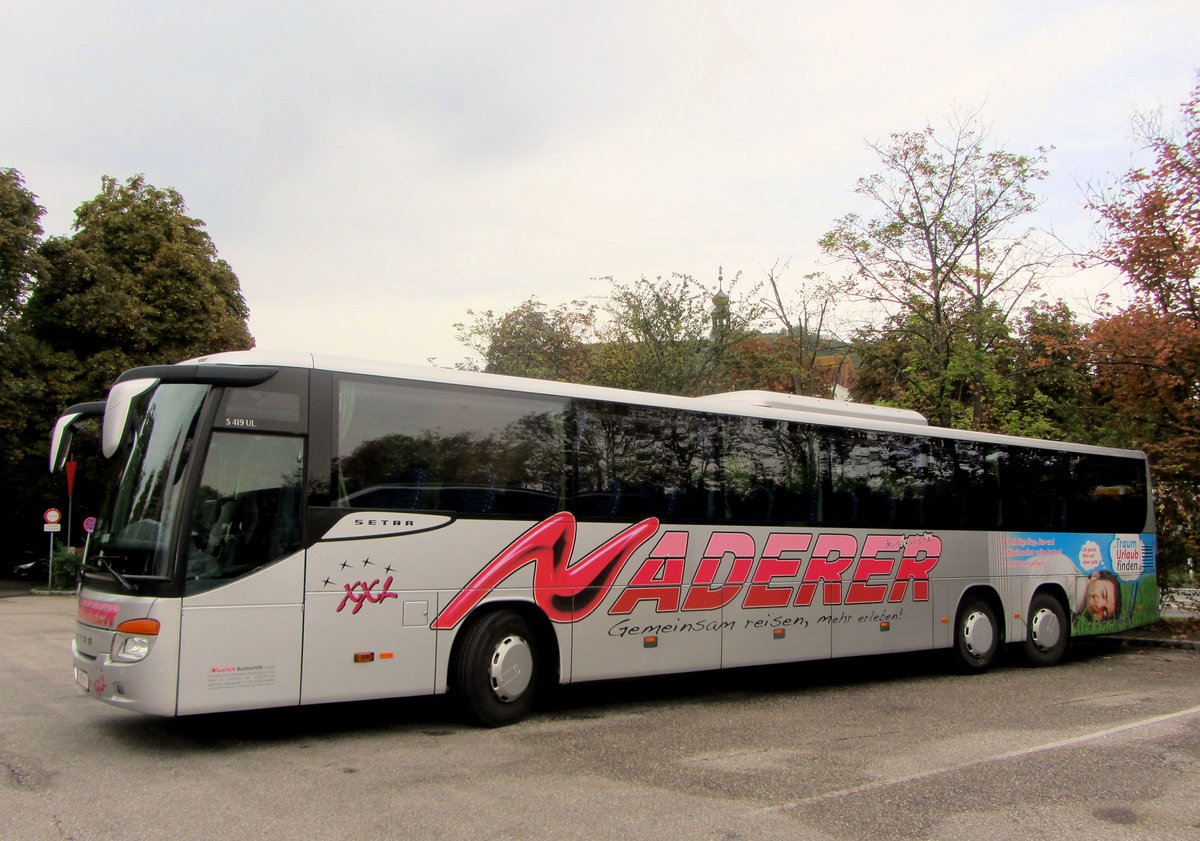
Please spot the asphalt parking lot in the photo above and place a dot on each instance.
(1104, 745)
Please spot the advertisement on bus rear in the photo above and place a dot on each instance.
(1112, 576)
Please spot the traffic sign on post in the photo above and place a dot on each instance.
(89, 526)
(53, 518)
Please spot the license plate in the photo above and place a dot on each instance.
(81, 677)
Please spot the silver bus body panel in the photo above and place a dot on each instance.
(240, 642)
(148, 685)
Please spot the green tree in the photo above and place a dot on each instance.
(898, 355)
(139, 282)
(27, 397)
(944, 257)
(804, 314)
(532, 340)
(1046, 388)
(20, 234)
(672, 335)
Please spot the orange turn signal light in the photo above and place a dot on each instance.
(139, 627)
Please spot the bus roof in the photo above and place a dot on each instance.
(762, 404)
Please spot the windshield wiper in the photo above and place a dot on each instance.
(103, 561)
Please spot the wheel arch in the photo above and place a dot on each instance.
(547, 638)
(1055, 591)
(987, 593)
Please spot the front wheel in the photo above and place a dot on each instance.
(495, 673)
(976, 636)
(1046, 631)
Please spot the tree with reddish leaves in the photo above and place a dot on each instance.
(1148, 355)
(1153, 218)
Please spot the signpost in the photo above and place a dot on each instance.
(70, 467)
(89, 526)
(53, 523)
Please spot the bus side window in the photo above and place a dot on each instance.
(1107, 494)
(248, 508)
(472, 452)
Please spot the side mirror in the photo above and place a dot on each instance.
(116, 412)
(64, 430)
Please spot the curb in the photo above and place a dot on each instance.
(1156, 642)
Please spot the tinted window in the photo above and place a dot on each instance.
(477, 452)
(248, 509)
(984, 486)
(433, 448)
(639, 461)
(278, 405)
(773, 470)
(1107, 494)
(877, 480)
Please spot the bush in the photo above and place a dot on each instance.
(64, 568)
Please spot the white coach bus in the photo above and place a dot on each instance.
(288, 529)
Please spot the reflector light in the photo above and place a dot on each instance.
(364, 657)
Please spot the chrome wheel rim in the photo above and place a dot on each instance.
(978, 633)
(1045, 629)
(511, 668)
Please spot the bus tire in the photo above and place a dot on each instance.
(1047, 631)
(495, 673)
(976, 636)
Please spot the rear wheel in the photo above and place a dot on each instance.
(976, 636)
(495, 673)
(1046, 631)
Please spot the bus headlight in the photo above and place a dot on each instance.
(134, 639)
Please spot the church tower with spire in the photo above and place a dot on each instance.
(720, 313)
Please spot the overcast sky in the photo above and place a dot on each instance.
(373, 170)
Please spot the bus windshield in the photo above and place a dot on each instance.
(134, 532)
